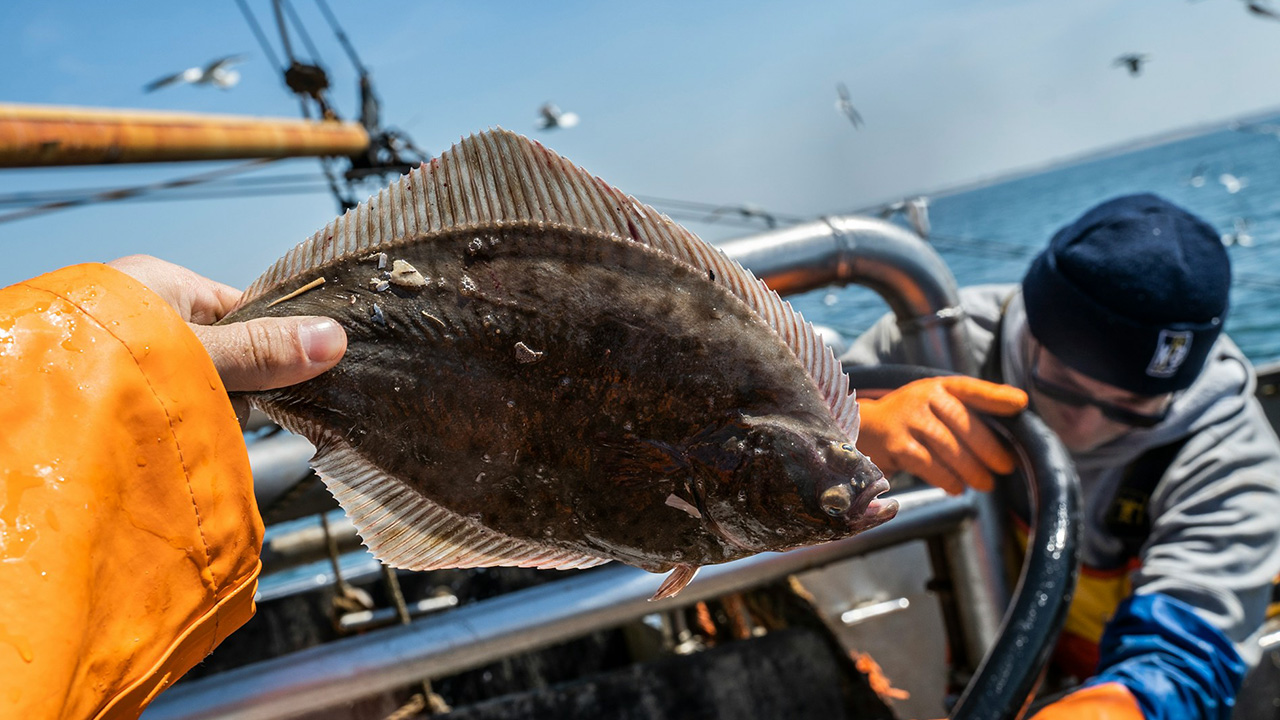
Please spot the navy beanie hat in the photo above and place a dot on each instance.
(1132, 294)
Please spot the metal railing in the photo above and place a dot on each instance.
(470, 636)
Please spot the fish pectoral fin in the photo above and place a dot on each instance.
(635, 460)
(682, 575)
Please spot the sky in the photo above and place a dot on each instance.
(716, 102)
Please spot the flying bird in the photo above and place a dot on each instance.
(1233, 184)
(1239, 235)
(1262, 9)
(1133, 61)
(551, 117)
(916, 209)
(217, 73)
(845, 105)
(1197, 175)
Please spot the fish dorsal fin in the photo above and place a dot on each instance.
(497, 178)
(403, 529)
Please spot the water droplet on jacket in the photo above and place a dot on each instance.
(142, 461)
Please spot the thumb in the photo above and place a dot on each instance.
(266, 353)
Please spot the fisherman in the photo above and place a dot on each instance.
(1115, 334)
(129, 536)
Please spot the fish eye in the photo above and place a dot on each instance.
(837, 499)
(846, 447)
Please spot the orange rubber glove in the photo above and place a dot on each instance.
(1106, 701)
(928, 429)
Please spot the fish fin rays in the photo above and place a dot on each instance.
(680, 576)
(403, 529)
(500, 178)
(636, 462)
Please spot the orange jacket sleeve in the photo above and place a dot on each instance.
(129, 537)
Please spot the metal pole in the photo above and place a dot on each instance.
(450, 642)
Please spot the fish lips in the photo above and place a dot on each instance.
(868, 509)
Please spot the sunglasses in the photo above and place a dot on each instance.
(1067, 396)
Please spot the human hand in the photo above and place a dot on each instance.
(928, 429)
(259, 354)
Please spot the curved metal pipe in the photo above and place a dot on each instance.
(902, 268)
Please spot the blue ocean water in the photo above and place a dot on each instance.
(1230, 177)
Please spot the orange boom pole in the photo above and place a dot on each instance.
(43, 136)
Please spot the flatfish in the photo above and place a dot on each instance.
(544, 372)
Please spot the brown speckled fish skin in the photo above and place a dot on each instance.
(579, 392)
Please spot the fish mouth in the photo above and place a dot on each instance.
(869, 510)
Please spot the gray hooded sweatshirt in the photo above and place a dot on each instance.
(1215, 514)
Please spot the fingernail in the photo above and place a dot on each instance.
(323, 340)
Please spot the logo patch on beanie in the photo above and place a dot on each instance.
(1172, 348)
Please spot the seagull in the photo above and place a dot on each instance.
(1260, 8)
(1239, 235)
(1232, 183)
(1260, 129)
(1197, 176)
(550, 118)
(217, 73)
(845, 105)
(1133, 61)
(917, 211)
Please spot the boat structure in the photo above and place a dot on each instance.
(925, 616)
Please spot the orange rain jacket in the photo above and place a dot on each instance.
(129, 537)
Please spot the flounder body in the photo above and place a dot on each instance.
(543, 372)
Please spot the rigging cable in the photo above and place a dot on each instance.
(262, 39)
(38, 197)
(284, 33)
(302, 31)
(342, 36)
(126, 193)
